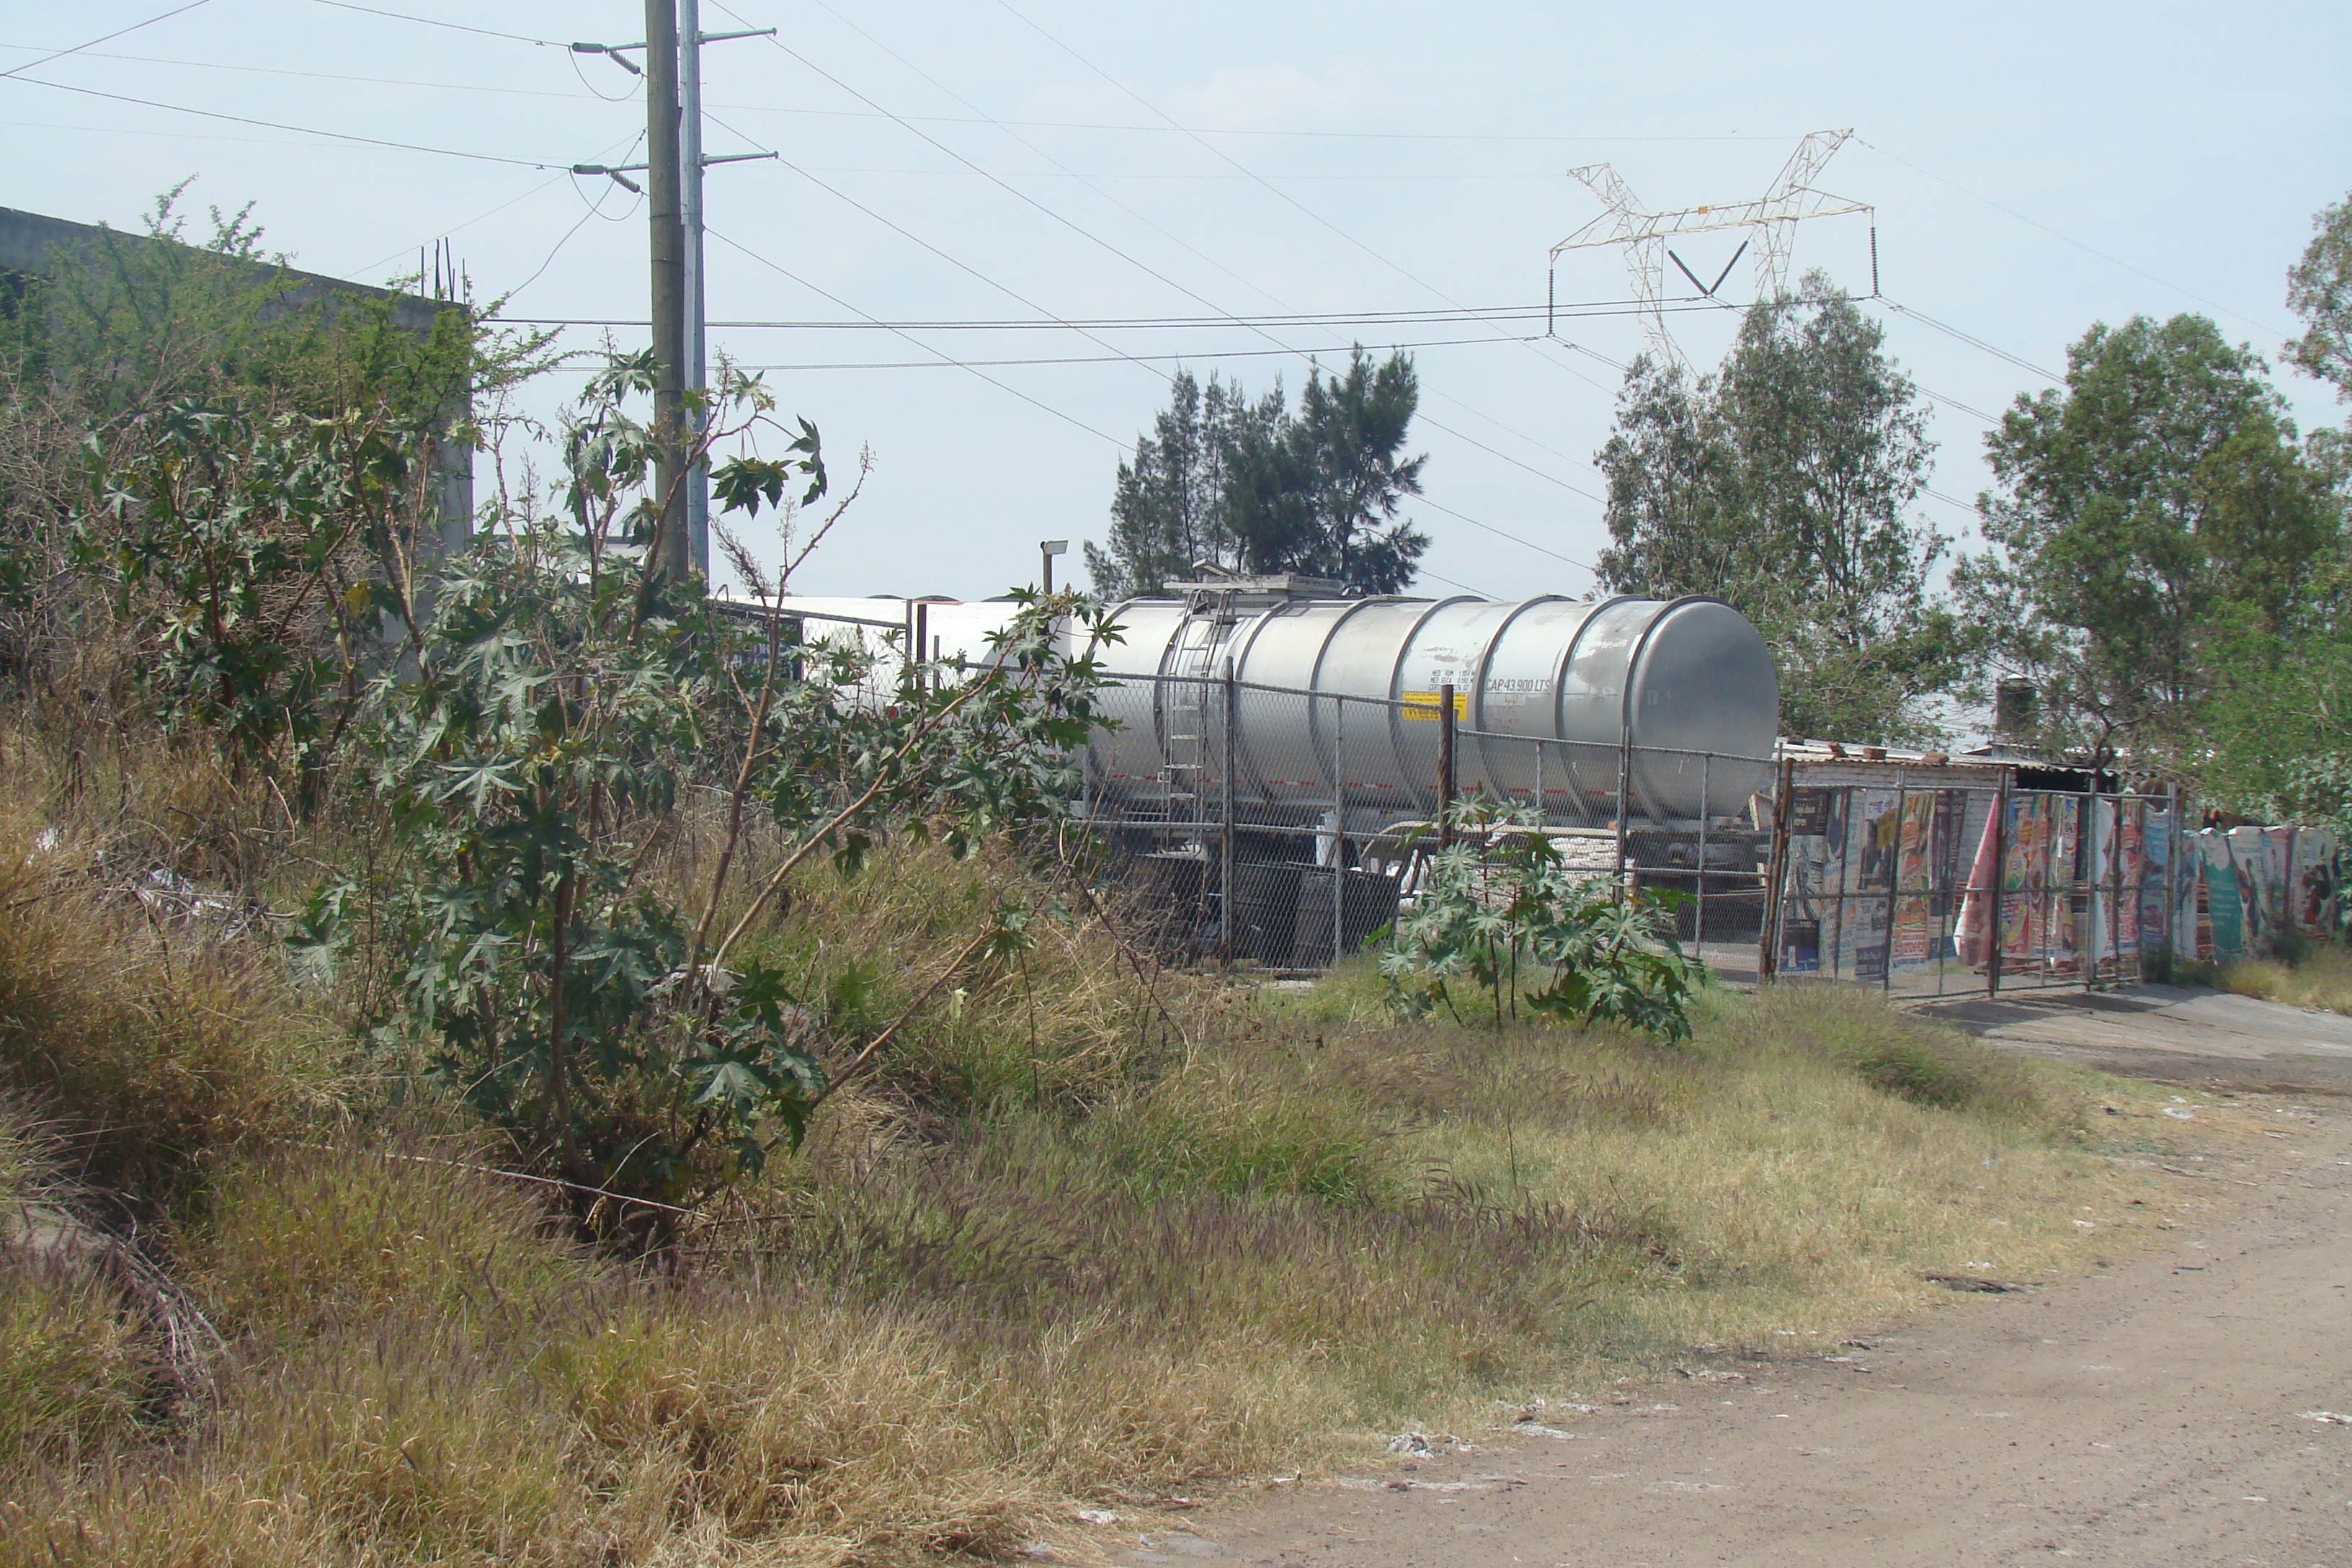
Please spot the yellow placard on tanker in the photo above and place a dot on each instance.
(1426, 706)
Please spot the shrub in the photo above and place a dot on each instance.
(1498, 899)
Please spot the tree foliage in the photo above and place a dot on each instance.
(2155, 508)
(1782, 483)
(2319, 290)
(1234, 483)
(1319, 492)
(1169, 516)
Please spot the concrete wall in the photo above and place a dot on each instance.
(35, 243)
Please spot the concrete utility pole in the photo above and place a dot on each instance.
(669, 250)
(691, 162)
(697, 375)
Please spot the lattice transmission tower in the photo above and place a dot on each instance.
(1643, 236)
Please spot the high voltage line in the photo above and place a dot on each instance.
(104, 37)
(1495, 318)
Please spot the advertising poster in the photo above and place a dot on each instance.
(1916, 938)
(2023, 899)
(2062, 916)
(2191, 940)
(1809, 906)
(1981, 898)
(2131, 875)
(2099, 866)
(2250, 860)
(2314, 881)
(1876, 830)
(2223, 901)
(2278, 877)
(2155, 871)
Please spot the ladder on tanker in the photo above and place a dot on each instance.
(1193, 715)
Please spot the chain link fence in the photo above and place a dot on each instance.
(1281, 828)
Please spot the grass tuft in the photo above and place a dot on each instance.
(2321, 978)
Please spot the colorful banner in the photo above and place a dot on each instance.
(1916, 942)
(1878, 831)
(2225, 931)
(1810, 905)
(2024, 898)
(1981, 897)
(2313, 881)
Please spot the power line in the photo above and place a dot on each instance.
(2070, 240)
(1138, 323)
(300, 130)
(1001, 386)
(1293, 201)
(436, 21)
(1173, 358)
(1084, 233)
(1955, 405)
(1971, 339)
(104, 37)
(1531, 544)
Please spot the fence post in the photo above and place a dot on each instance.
(1445, 765)
(1776, 872)
(1225, 833)
(1624, 791)
(1705, 806)
(2115, 899)
(1894, 880)
(1338, 828)
(1999, 875)
(2172, 853)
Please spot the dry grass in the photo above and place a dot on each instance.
(149, 1040)
(2321, 978)
(1091, 1234)
(74, 1374)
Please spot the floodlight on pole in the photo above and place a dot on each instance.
(1643, 235)
(1048, 549)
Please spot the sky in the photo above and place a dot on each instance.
(2030, 170)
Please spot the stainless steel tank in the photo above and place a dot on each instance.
(1687, 683)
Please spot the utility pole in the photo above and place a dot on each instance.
(697, 371)
(695, 375)
(668, 248)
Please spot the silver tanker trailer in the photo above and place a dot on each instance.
(1273, 734)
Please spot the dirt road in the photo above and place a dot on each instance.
(2162, 1413)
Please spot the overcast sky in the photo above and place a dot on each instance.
(2033, 168)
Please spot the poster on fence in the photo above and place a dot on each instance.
(2062, 922)
(1983, 895)
(1816, 869)
(2023, 914)
(2314, 881)
(2225, 930)
(2155, 862)
(2098, 946)
(2191, 938)
(1915, 940)
(1876, 828)
(2131, 875)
